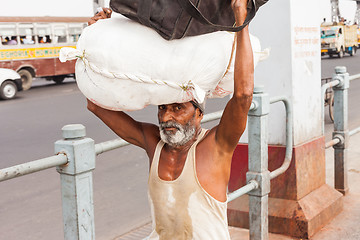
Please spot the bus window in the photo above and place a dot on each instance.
(60, 34)
(44, 33)
(74, 32)
(8, 34)
(26, 33)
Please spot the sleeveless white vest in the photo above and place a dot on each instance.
(181, 209)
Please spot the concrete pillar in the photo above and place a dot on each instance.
(300, 202)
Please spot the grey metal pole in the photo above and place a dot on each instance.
(335, 12)
(357, 14)
(258, 166)
(76, 183)
(341, 129)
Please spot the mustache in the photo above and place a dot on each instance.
(170, 124)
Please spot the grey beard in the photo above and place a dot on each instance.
(183, 134)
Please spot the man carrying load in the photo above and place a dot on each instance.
(190, 166)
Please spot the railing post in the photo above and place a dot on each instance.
(341, 129)
(76, 183)
(258, 166)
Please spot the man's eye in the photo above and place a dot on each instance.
(161, 107)
(178, 107)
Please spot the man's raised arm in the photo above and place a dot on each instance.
(140, 134)
(233, 121)
(144, 135)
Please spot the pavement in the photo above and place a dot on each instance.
(345, 226)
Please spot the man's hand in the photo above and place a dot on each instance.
(104, 14)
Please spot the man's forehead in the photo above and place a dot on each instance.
(175, 104)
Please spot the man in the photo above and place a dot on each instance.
(190, 166)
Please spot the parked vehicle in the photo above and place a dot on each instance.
(31, 45)
(10, 83)
(337, 39)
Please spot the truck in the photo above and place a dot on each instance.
(338, 39)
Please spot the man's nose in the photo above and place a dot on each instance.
(166, 116)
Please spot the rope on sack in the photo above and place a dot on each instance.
(67, 53)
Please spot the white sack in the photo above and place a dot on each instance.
(123, 65)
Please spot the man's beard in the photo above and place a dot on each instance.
(183, 134)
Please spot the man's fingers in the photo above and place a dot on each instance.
(91, 22)
(102, 15)
(107, 12)
(94, 20)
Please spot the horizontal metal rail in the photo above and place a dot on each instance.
(354, 131)
(289, 144)
(353, 77)
(31, 167)
(332, 142)
(329, 85)
(212, 116)
(243, 190)
(110, 145)
(337, 139)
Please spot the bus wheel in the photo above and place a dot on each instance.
(26, 79)
(58, 79)
(8, 90)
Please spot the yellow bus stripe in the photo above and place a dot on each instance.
(30, 53)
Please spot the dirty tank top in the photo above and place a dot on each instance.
(181, 209)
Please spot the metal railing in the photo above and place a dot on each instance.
(258, 176)
(75, 161)
(252, 184)
(340, 137)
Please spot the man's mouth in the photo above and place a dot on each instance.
(169, 127)
(172, 129)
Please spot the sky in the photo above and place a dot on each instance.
(81, 8)
(84, 8)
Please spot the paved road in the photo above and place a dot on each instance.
(30, 206)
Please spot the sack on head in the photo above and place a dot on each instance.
(123, 65)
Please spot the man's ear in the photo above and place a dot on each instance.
(199, 114)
